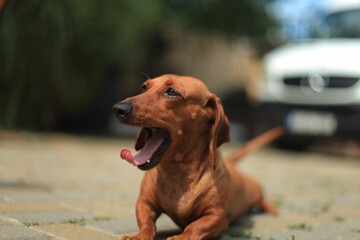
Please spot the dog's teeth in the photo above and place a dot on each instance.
(148, 161)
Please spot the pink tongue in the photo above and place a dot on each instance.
(146, 152)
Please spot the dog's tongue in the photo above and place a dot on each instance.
(146, 152)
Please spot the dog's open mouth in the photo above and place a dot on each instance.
(149, 156)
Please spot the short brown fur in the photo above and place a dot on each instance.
(191, 184)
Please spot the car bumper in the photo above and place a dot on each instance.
(315, 121)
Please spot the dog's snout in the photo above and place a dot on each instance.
(122, 110)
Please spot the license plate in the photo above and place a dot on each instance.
(316, 123)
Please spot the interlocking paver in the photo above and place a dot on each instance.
(128, 225)
(115, 226)
(47, 196)
(106, 208)
(63, 179)
(22, 233)
(31, 207)
(347, 230)
(75, 232)
(2, 223)
(35, 218)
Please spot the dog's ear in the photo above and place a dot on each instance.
(219, 132)
(141, 139)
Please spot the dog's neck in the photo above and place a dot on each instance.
(188, 155)
(185, 165)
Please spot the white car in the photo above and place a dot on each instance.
(312, 86)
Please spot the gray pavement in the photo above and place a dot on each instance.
(65, 187)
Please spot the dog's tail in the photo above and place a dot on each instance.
(256, 143)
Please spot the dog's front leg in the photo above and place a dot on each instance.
(146, 216)
(204, 228)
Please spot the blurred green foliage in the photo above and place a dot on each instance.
(55, 56)
(230, 17)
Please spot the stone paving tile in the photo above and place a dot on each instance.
(295, 227)
(35, 218)
(49, 196)
(165, 223)
(87, 178)
(114, 226)
(2, 223)
(262, 223)
(22, 233)
(109, 208)
(21, 186)
(74, 232)
(128, 225)
(31, 207)
(347, 230)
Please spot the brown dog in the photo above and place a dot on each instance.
(182, 125)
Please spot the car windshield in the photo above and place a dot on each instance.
(345, 24)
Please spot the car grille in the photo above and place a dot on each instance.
(332, 81)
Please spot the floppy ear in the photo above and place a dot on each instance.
(141, 139)
(219, 132)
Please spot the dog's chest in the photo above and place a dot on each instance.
(184, 202)
(172, 195)
(181, 207)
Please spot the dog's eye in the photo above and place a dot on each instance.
(170, 92)
(144, 87)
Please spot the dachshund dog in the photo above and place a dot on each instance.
(182, 125)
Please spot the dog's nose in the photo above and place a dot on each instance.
(122, 110)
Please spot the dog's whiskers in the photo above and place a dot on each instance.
(146, 75)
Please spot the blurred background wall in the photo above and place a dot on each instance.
(63, 64)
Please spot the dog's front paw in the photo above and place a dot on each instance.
(135, 237)
(183, 236)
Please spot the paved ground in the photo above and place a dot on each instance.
(64, 187)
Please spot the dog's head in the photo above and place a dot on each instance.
(175, 114)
